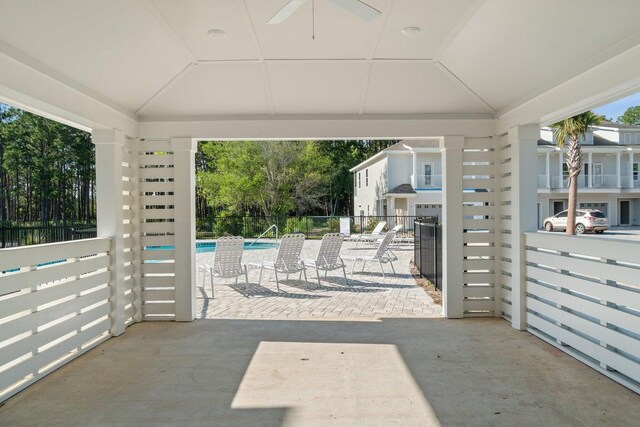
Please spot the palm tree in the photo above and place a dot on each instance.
(572, 129)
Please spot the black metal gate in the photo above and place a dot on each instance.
(428, 249)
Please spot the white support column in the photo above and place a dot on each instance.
(452, 225)
(523, 140)
(391, 212)
(548, 169)
(414, 176)
(618, 170)
(185, 231)
(590, 167)
(110, 200)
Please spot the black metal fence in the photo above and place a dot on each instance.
(311, 226)
(33, 233)
(428, 249)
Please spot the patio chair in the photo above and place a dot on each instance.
(227, 262)
(375, 234)
(287, 260)
(328, 257)
(382, 254)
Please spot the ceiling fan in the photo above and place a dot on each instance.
(357, 7)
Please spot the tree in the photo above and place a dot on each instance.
(573, 129)
(47, 169)
(631, 116)
(345, 154)
(274, 177)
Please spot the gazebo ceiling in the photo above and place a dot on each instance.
(154, 58)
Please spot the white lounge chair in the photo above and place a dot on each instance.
(328, 257)
(227, 261)
(374, 235)
(287, 260)
(382, 254)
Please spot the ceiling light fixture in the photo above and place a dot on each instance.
(217, 34)
(410, 31)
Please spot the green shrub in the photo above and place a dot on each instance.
(295, 225)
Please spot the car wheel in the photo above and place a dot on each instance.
(580, 229)
(548, 226)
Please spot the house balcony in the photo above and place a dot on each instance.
(598, 182)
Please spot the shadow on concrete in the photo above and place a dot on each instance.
(259, 291)
(241, 373)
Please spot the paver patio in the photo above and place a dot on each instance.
(367, 294)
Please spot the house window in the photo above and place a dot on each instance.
(627, 138)
(598, 176)
(636, 172)
(359, 179)
(565, 170)
(428, 174)
(355, 185)
(366, 177)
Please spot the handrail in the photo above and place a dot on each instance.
(265, 232)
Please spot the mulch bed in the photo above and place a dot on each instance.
(426, 285)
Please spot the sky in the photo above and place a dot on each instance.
(617, 108)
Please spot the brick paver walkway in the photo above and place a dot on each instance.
(366, 295)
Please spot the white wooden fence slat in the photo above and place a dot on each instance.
(616, 273)
(38, 254)
(621, 250)
(611, 315)
(146, 255)
(601, 291)
(595, 351)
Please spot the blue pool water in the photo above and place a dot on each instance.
(211, 247)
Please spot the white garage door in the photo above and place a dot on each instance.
(603, 207)
(429, 210)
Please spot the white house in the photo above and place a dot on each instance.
(402, 180)
(609, 179)
(406, 179)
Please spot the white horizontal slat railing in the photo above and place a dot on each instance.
(583, 296)
(54, 306)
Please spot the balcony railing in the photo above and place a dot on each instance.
(628, 182)
(542, 181)
(598, 181)
(429, 181)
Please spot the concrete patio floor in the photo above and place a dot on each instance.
(314, 373)
(366, 295)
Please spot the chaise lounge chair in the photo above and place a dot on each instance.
(374, 235)
(287, 260)
(382, 254)
(328, 257)
(227, 262)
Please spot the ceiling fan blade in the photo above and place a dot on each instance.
(358, 8)
(286, 11)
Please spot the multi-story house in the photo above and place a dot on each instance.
(609, 180)
(406, 178)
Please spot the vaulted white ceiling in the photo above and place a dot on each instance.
(154, 58)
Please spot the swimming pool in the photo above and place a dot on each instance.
(211, 247)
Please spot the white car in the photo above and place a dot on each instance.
(586, 220)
